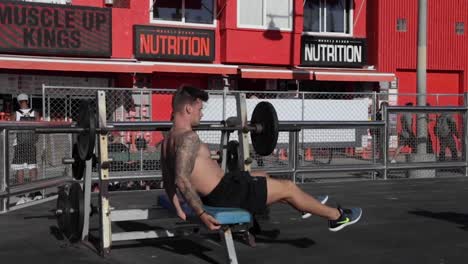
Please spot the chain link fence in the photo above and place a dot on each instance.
(3, 162)
(137, 153)
(437, 137)
(34, 157)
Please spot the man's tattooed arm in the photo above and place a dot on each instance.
(186, 153)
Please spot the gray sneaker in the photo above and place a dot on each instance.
(347, 217)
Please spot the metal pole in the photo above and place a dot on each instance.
(43, 101)
(104, 197)
(421, 74)
(244, 153)
(87, 199)
(303, 146)
(293, 157)
(386, 140)
(465, 132)
(225, 91)
(3, 175)
(374, 140)
(142, 136)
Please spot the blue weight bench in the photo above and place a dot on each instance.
(227, 217)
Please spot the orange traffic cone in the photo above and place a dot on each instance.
(282, 154)
(308, 155)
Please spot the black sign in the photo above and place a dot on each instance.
(335, 52)
(34, 28)
(184, 44)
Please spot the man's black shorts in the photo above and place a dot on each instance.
(239, 189)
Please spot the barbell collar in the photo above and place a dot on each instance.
(254, 128)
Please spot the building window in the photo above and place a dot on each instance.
(265, 14)
(460, 28)
(328, 16)
(401, 25)
(183, 11)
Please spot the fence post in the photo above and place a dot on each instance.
(465, 131)
(385, 139)
(142, 136)
(293, 155)
(3, 175)
(43, 100)
(374, 140)
(303, 147)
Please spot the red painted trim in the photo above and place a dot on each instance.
(354, 76)
(113, 66)
(75, 67)
(201, 69)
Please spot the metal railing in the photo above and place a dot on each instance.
(307, 151)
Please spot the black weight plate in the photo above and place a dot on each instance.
(63, 213)
(79, 165)
(76, 199)
(265, 142)
(87, 138)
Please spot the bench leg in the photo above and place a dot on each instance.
(226, 234)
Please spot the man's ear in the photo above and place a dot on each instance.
(188, 108)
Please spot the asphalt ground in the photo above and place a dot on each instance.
(404, 221)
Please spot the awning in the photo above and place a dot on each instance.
(72, 64)
(276, 73)
(354, 76)
(17, 62)
(203, 68)
(110, 65)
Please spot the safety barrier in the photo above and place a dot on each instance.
(298, 154)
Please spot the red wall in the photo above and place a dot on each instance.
(446, 51)
(437, 83)
(253, 46)
(123, 19)
(233, 45)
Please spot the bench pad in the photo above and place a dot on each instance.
(224, 215)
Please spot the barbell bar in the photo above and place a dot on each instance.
(263, 128)
(139, 126)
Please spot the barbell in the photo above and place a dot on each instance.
(263, 129)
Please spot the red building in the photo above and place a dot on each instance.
(393, 32)
(326, 45)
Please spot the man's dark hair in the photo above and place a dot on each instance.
(187, 95)
(409, 104)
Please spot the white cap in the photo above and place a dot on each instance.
(22, 97)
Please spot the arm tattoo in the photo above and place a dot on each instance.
(186, 153)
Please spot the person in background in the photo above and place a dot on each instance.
(429, 145)
(377, 132)
(446, 131)
(24, 145)
(406, 136)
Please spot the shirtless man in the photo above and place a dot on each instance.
(187, 167)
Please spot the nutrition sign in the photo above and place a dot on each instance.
(333, 51)
(48, 29)
(183, 44)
